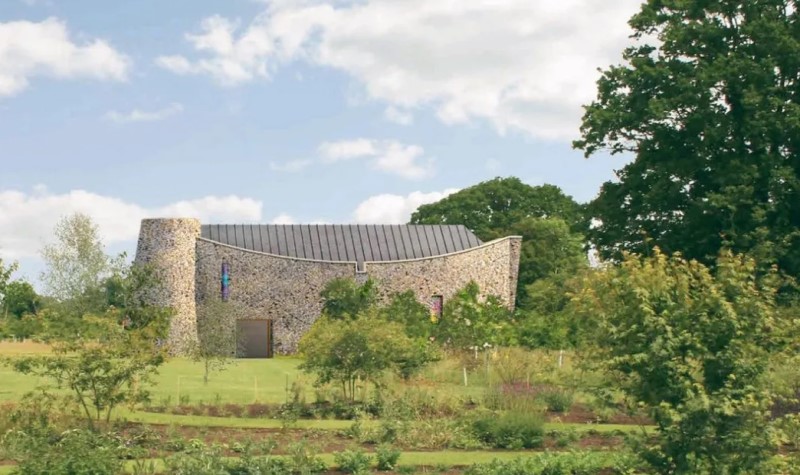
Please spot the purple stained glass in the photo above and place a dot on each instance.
(225, 281)
(436, 307)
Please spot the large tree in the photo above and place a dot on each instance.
(76, 264)
(491, 208)
(20, 299)
(707, 103)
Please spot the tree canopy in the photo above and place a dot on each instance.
(76, 263)
(707, 102)
(344, 298)
(491, 208)
(20, 299)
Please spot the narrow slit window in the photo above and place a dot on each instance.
(437, 303)
(225, 282)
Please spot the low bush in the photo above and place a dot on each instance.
(69, 453)
(303, 459)
(353, 461)
(209, 461)
(557, 400)
(571, 463)
(511, 430)
(206, 462)
(387, 457)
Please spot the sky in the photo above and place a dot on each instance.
(287, 111)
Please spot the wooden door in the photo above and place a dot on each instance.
(255, 338)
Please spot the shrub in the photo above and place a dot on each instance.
(360, 349)
(387, 457)
(303, 459)
(512, 430)
(353, 461)
(557, 400)
(205, 462)
(73, 452)
(258, 466)
(691, 346)
(575, 463)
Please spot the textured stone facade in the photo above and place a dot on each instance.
(493, 266)
(280, 288)
(286, 289)
(169, 246)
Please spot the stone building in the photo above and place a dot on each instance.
(276, 272)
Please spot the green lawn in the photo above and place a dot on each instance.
(243, 382)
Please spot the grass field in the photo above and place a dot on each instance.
(243, 382)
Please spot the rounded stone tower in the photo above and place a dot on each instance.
(169, 246)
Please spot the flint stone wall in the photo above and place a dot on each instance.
(494, 266)
(287, 290)
(267, 286)
(169, 246)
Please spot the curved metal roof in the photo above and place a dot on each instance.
(345, 242)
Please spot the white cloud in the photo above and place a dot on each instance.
(347, 149)
(27, 219)
(176, 64)
(389, 156)
(398, 116)
(138, 115)
(515, 63)
(292, 166)
(29, 49)
(395, 209)
(283, 218)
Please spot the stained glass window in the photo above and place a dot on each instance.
(436, 308)
(225, 281)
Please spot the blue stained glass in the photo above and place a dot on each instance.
(225, 281)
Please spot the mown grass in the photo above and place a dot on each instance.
(264, 380)
(244, 381)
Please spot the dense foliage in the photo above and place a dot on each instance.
(707, 102)
(344, 298)
(693, 347)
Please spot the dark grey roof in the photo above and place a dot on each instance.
(345, 242)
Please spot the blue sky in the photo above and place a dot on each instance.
(287, 111)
